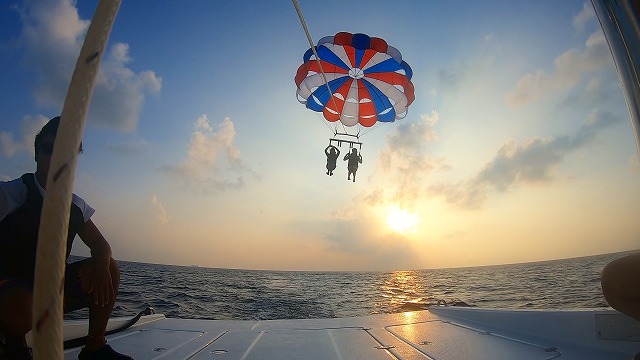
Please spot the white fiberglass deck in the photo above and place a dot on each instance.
(439, 333)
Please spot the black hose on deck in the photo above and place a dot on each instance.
(71, 343)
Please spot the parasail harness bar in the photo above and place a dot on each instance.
(351, 143)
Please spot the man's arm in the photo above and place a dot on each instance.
(96, 279)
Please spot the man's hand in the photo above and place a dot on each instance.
(95, 279)
(95, 276)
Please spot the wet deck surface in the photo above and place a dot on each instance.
(445, 333)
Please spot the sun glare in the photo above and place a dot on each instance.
(402, 221)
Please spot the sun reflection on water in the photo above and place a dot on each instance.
(404, 291)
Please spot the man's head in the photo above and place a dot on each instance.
(43, 146)
(46, 137)
(48, 133)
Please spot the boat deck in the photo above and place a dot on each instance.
(438, 333)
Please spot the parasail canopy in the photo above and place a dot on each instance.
(359, 80)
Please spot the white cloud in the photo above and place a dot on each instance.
(536, 161)
(370, 250)
(349, 233)
(585, 17)
(404, 161)
(569, 69)
(52, 34)
(163, 217)
(120, 92)
(213, 163)
(10, 144)
(206, 143)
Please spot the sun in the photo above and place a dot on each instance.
(402, 221)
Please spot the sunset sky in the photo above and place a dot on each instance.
(518, 146)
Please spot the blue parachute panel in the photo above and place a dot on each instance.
(323, 95)
(384, 108)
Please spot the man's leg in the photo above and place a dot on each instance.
(621, 284)
(16, 300)
(99, 315)
(96, 346)
(15, 311)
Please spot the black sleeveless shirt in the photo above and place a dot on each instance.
(19, 233)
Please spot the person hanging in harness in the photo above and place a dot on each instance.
(92, 282)
(352, 166)
(332, 153)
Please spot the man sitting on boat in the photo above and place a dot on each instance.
(91, 283)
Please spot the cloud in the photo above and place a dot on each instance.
(29, 127)
(213, 162)
(8, 146)
(404, 161)
(120, 92)
(596, 91)
(569, 70)
(163, 217)
(584, 18)
(398, 180)
(536, 161)
(52, 35)
(349, 233)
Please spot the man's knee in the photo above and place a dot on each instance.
(620, 279)
(16, 311)
(609, 280)
(114, 269)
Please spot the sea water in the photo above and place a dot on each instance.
(208, 293)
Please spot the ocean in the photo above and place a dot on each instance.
(225, 294)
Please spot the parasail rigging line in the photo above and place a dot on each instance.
(52, 234)
(333, 127)
(315, 53)
(363, 130)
